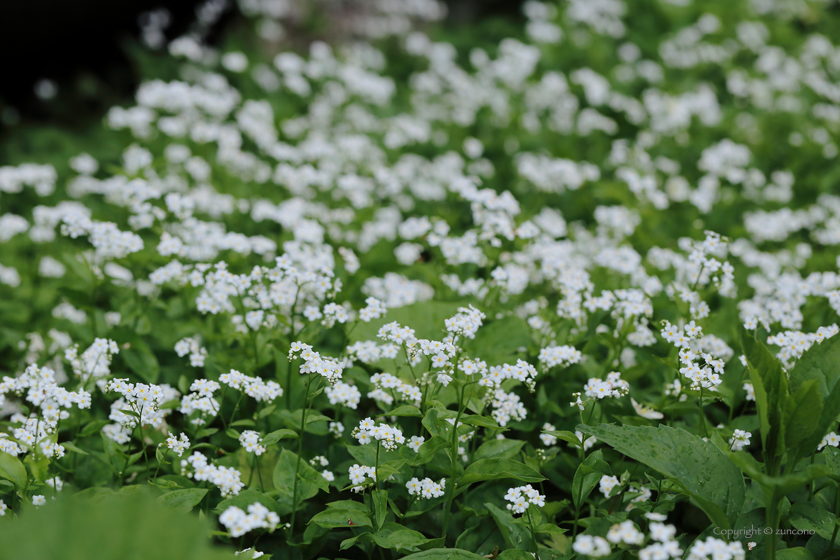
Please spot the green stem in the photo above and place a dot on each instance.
(772, 512)
(836, 510)
(236, 408)
(533, 534)
(376, 466)
(300, 449)
(450, 491)
(157, 470)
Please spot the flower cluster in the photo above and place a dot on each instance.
(344, 394)
(251, 442)
(426, 488)
(254, 387)
(522, 497)
(389, 437)
(388, 387)
(313, 362)
(227, 479)
(191, 346)
(238, 522)
(178, 445)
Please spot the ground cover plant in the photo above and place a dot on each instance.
(551, 288)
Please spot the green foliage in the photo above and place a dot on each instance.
(113, 527)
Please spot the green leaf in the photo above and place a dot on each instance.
(808, 516)
(39, 468)
(568, 437)
(771, 393)
(12, 468)
(550, 529)
(779, 486)
(427, 451)
(349, 504)
(141, 360)
(499, 341)
(702, 471)
(183, 500)
(93, 427)
(232, 434)
(74, 448)
(802, 417)
(820, 363)
(277, 435)
(310, 480)
(396, 537)
(832, 459)
(108, 526)
(443, 554)
(404, 410)
(380, 506)
(480, 421)
(340, 518)
(798, 553)
(498, 449)
(494, 469)
(587, 476)
(515, 534)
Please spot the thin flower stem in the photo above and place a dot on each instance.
(450, 491)
(300, 449)
(157, 470)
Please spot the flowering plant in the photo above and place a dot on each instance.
(569, 290)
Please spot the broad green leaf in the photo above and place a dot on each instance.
(808, 516)
(380, 506)
(93, 427)
(798, 553)
(396, 537)
(480, 421)
(349, 504)
(702, 471)
(39, 468)
(820, 363)
(481, 538)
(515, 554)
(587, 476)
(277, 435)
(550, 529)
(443, 554)
(12, 468)
(832, 459)
(183, 500)
(108, 526)
(498, 449)
(340, 518)
(427, 451)
(404, 410)
(363, 538)
(568, 437)
(309, 480)
(802, 417)
(515, 535)
(494, 469)
(771, 393)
